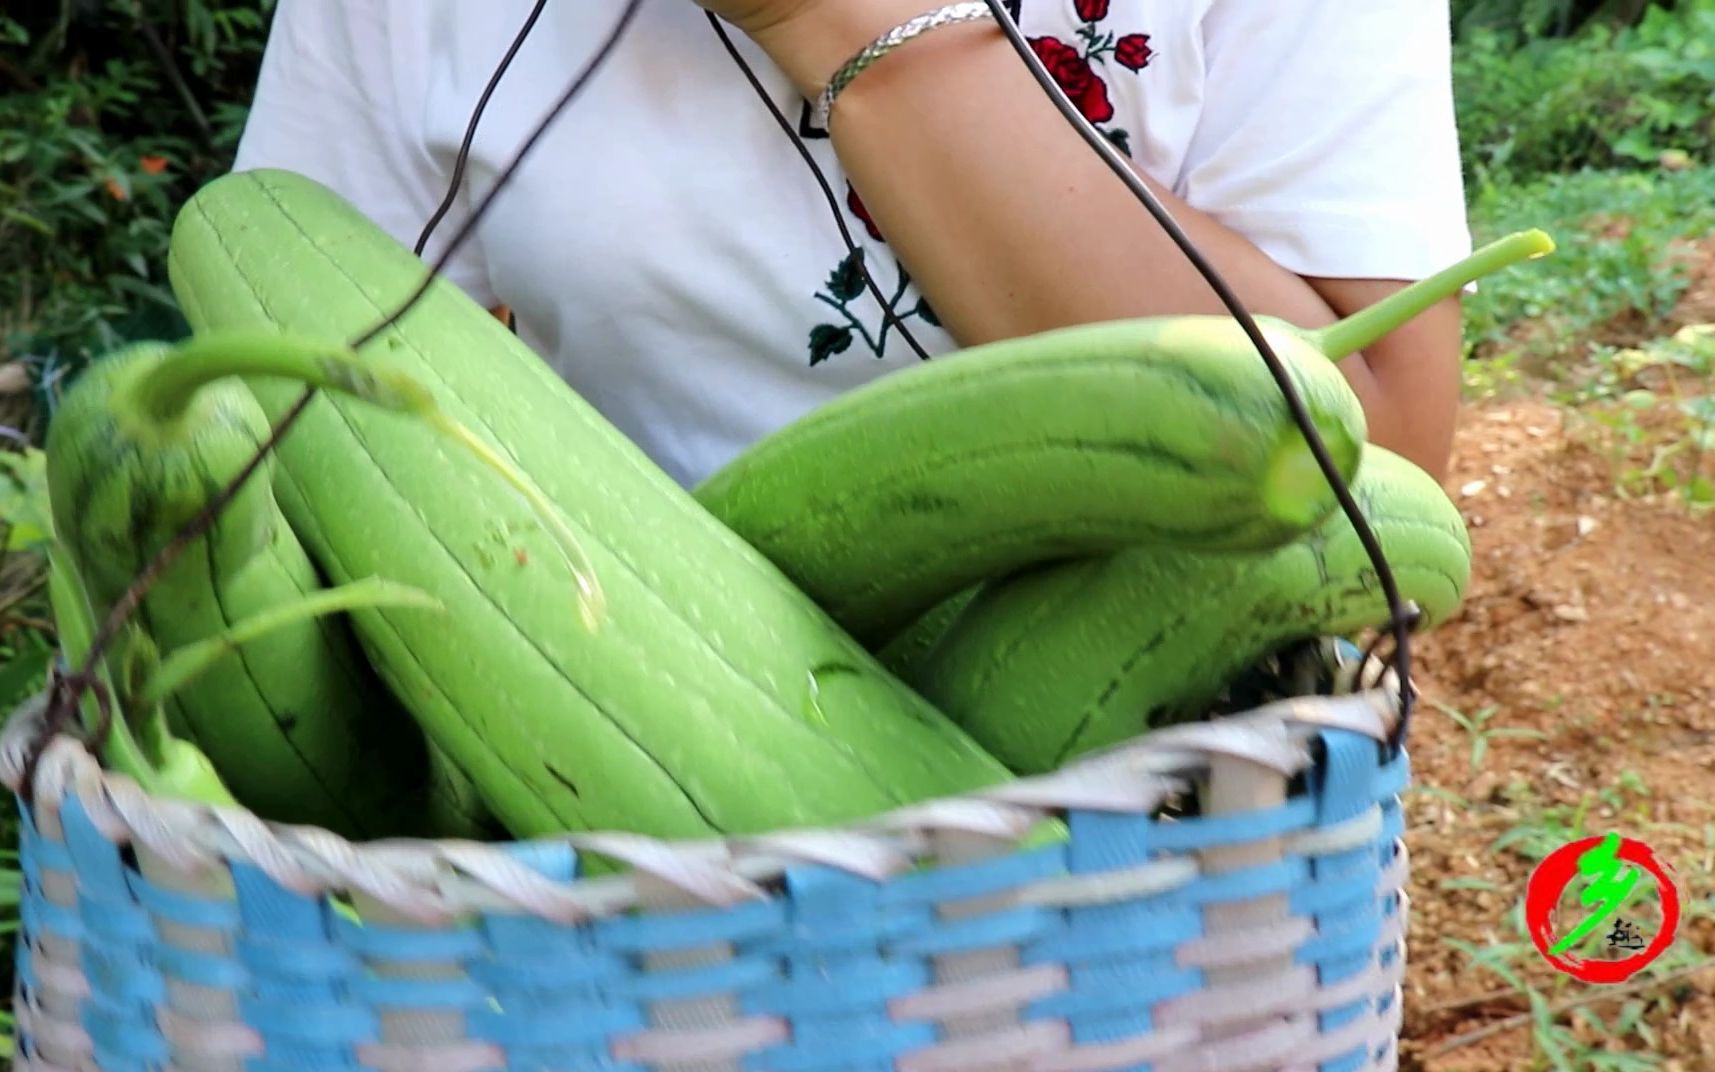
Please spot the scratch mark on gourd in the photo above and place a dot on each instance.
(559, 776)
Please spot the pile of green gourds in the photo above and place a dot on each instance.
(455, 602)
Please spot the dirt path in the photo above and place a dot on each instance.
(1591, 621)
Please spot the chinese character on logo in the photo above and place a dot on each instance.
(1624, 936)
(1617, 872)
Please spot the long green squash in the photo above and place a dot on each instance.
(912, 645)
(297, 725)
(1167, 431)
(891, 498)
(1056, 661)
(712, 696)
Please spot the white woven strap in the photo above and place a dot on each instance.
(435, 882)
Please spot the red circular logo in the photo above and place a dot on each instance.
(1604, 861)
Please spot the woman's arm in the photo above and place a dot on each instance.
(1006, 218)
(1011, 225)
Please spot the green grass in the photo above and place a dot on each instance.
(1610, 274)
(11, 889)
(1593, 327)
(1571, 1027)
(1594, 324)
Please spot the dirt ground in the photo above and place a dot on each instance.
(1592, 621)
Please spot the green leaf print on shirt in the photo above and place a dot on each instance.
(846, 282)
(845, 285)
(826, 340)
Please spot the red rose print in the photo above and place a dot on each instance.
(1133, 52)
(1075, 76)
(1078, 68)
(855, 203)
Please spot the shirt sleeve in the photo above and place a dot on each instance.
(339, 99)
(1328, 135)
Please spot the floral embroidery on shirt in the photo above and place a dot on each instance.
(844, 285)
(855, 203)
(1074, 66)
(1079, 70)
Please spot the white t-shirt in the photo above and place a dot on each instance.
(669, 253)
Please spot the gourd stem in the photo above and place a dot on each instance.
(161, 764)
(185, 664)
(166, 766)
(184, 772)
(72, 620)
(1366, 326)
(165, 391)
(162, 394)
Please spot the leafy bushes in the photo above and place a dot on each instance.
(1519, 21)
(1614, 273)
(1627, 97)
(111, 112)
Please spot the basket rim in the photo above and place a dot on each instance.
(436, 881)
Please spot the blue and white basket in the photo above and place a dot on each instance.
(1230, 898)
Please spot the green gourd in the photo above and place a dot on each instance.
(1056, 661)
(1169, 432)
(708, 695)
(293, 720)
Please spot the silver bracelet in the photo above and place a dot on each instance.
(970, 11)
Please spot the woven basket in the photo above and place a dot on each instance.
(1255, 924)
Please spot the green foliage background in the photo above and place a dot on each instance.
(111, 113)
(1608, 98)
